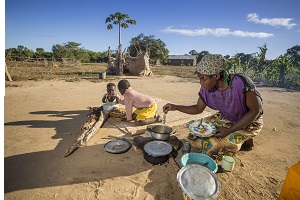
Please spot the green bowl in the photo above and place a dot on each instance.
(200, 159)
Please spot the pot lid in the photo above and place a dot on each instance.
(117, 146)
(198, 182)
(158, 148)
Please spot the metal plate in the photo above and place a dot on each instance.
(157, 148)
(198, 182)
(117, 146)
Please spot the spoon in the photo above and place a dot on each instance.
(200, 126)
(164, 118)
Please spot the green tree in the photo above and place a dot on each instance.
(242, 62)
(201, 54)
(59, 51)
(39, 53)
(123, 21)
(193, 53)
(11, 54)
(294, 52)
(227, 57)
(70, 50)
(155, 48)
(24, 53)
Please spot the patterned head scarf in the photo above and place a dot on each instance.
(213, 64)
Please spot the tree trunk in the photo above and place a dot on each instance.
(120, 64)
(7, 73)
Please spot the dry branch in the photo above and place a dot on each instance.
(88, 129)
(7, 73)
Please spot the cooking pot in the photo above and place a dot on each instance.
(157, 152)
(160, 132)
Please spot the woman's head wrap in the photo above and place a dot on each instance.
(213, 64)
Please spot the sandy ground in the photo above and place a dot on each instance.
(42, 120)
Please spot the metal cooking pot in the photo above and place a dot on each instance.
(160, 132)
(155, 160)
(157, 152)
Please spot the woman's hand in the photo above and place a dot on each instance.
(222, 132)
(168, 107)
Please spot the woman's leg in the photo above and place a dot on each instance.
(248, 145)
(232, 142)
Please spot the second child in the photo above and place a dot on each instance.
(146, 107)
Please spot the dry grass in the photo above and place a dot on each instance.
(180, 71)
(27, 71)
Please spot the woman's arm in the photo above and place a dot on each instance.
(192, 109)
(254, 106)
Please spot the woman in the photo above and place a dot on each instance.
(234, 96)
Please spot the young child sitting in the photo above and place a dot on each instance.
(109, 100)
(145, 105)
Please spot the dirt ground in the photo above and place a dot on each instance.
(42, 120)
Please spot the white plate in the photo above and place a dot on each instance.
(208, 131)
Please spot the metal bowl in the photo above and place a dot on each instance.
(160, 132)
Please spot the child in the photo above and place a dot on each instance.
(109, 99)
(145, 105)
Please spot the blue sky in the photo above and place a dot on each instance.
(224, 27)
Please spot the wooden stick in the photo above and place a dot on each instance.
(87, 133)
(7, 73)
(124, 130)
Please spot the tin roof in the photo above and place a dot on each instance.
(182, 57)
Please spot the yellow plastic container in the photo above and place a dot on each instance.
(291, 186)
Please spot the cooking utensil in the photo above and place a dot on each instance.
(198, 182)
(228, 163)
(157, 152)
(160, 132)
(200, 159)
(164, 118)
(208, 129)
(117, 146)
(200, 126)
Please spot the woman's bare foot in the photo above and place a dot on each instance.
(248, 145)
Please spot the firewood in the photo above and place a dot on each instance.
(88, 129)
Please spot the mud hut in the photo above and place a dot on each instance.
(138, 63)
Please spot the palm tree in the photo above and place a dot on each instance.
(122, 20)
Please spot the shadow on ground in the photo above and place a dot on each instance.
(50, 168)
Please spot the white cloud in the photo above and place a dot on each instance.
(286, 22)
(216, 32)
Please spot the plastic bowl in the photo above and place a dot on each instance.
(199, 158)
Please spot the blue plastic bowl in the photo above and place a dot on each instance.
(199, 158)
